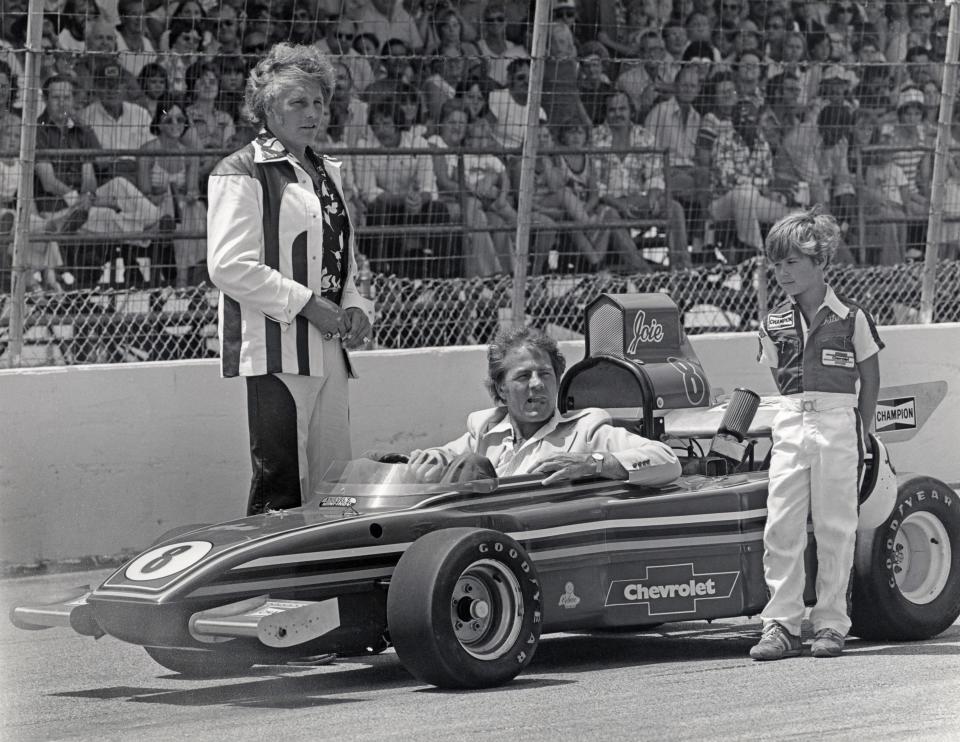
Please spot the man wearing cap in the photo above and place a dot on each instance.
(835, 86)
(116, 123)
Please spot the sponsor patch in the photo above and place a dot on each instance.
(896, 414)
(671, 589)
(839, 358)
(569, 599)
(779, 321)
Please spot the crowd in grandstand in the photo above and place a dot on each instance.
(720, 116)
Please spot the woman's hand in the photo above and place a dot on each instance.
(355, 330)
(324, 315)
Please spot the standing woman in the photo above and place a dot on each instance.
(280, 246)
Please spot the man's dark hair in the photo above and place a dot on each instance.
(53, 79)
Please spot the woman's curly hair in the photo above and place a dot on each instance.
(284, 65)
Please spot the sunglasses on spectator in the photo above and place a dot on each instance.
(174, 119)
(254, 48)
(346, 36)
(564, 13)
(498, 18)
(921, 14)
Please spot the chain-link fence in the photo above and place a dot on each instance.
(114, 326)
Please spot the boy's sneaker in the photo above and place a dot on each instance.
(775, 644)
(827, 643)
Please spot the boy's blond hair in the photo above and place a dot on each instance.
(811, 232)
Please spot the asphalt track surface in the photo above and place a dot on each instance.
(682, 682)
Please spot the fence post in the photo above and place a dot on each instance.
(28, 149)
(528, 159)
(928, 291)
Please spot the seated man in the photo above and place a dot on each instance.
(526, 434)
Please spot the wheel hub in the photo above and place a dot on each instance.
(486, 609)
(922, 558)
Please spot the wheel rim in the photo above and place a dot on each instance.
(486, 610)
(921, 558)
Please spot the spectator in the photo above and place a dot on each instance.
(409, 100)
(303, 27)
(775, 34)
(594, 86)
(261, 19)
(742, 169)
(154, 86)
(819, 50)
(8, 94)
(184, 51)
(674, 38)
(931, 109)
(285, 323)
(509, 106)
(38, 257)
(493, 44)
(675, 125)
(875, 86)
(614, 24)
(719, 99)
(170, 180)
(462, 204)
(232, 73)
(794, 60)
(580, 179)
(703, 58)
(73, 21)
(911, 156)
(190, 14)
(397, 67)
(844, 21)
(699, 29)
(325, 142)
(632, 182)
(210, 128)
(885, 194)
(224, 22)
(487, 177)
(918, 32)
(100, 41)
(446, 35)
(650, 77)
(835, 125)
(748, 71)
(254, 44)
(338, 39)
(440, 86)
(115, 207)
(918, 69)
(561, 97)
(134, 46)
(348, 114)
(116, 123)
(388, 19)
(401, 190)
(837, 85)
(475, 94)
(747, 38)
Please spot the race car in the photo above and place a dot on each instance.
(463, 578)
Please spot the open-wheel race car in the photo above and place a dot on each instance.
(464, 577)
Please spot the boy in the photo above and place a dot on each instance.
(818, 347)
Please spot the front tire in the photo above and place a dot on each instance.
(463, 608)
(906, 583)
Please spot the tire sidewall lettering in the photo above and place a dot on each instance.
(918, 500)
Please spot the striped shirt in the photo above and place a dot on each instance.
(265, 227)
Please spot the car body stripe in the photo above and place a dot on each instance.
(603, 525)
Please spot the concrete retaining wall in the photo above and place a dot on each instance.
(97, 459)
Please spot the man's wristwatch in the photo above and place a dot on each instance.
(598, 462)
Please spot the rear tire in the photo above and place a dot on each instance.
(906, 583)
(463, 608)
(199, 663)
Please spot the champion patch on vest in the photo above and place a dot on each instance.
(780, 321)
(841, 358)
